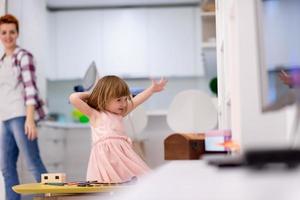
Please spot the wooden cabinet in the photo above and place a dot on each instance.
(184, 146)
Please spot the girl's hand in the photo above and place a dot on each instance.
(30, 129)
(158, 86)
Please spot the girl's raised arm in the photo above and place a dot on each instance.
(78, 100)
(156, 86)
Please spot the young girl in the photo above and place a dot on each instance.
(112, 158)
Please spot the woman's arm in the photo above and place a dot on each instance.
(30, 127)
(78, 100)
(28, 78)
(156, 86)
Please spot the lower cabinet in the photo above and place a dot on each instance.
(62, 150)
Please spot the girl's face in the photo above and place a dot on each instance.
(117, 105)
(8, 35)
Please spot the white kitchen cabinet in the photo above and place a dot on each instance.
(77, 42)
(63, 149)
(77, 149)
(128, 42)
(173, 46)
(124, 42)
(52, 148)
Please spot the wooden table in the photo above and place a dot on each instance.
(53, 192)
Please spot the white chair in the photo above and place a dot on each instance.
(192, 111)
(135, 122)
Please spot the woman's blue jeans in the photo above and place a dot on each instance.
(13, 140)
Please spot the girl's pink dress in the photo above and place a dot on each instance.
(112, 158)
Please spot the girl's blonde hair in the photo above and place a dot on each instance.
(106, 89)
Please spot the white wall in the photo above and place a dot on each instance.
(34, 33)
(249, 125)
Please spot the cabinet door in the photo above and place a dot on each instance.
(172, 41)
(77, 42)
(129, 42)
(124, 42)
(52, 143)
(77, 153)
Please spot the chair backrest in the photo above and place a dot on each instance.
(135, 122)
(192, 111)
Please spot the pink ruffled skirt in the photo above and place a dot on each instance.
(113, 160)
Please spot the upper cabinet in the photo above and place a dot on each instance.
(173, 45)
(131, 42)
(124, 42)
(77, 42)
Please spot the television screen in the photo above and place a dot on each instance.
(279, 51)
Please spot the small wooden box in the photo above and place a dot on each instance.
(53, 178)
(184, 146)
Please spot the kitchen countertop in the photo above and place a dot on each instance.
(70, 124)
(66, 125)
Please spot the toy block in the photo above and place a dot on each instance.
(53, 178)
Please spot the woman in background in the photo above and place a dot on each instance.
(20, 108)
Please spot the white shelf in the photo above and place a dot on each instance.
(158, 112)
(209, 45)
(64, 125)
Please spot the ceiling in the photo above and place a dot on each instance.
(71, 4)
